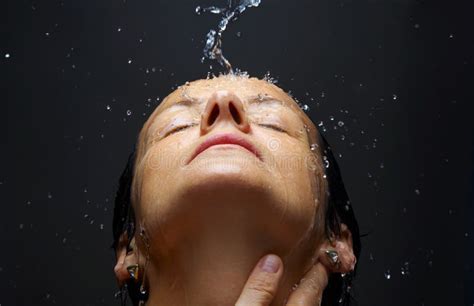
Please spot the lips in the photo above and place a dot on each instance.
(225, 138)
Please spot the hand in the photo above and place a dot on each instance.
(262, 285)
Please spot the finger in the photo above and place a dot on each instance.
(311, 287)
(262, 284)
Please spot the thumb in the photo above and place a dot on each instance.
(262, 285)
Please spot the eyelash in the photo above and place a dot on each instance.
(179, 128)
(182, 127)
(274, 127)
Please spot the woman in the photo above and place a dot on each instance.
(227, 170)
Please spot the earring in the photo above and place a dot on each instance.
(133, 270)
(333, 257)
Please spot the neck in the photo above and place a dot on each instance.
(212, 269)
(204, 256)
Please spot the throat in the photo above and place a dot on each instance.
(210, 268)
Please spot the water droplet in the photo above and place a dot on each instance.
(387, 274)
(343, 137)
(417, 191)
(295, 286)
(314, 147)
(331, 118)
(7, 55)
(394, 97)
(238, 34)
(198, 10)
(267, 77)
(47, 33)
(129, 112)
(382, 166)
(305, 107)
(50, 196)
(417, 26)
(451, 36)
(129, 61)
(119, 29)
(21, 226)
(326, 161)
(101, 226)
(340, 123)
(307, 128)
(108, 107)
(404, 270)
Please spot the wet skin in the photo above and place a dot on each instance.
(209, 217)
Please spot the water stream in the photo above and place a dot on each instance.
(230, 13)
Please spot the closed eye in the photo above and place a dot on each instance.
(179, 128)
(272, 126)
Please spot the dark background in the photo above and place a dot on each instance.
(397, 73)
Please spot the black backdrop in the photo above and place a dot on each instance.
(79, 78)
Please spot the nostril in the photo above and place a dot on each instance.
(235, 113)
(213, 116)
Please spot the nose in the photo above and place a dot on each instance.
(224, 107)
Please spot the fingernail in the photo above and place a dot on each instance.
(270, 263)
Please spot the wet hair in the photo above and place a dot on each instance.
(339, 210)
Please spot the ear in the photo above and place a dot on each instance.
(343, 246)
(124, 259)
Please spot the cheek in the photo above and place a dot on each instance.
(296, 170)
(162, 159)
(159, 165)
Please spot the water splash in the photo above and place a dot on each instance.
(230, 13)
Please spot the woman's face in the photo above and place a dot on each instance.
(230, 152)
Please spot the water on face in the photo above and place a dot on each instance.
(230, 13)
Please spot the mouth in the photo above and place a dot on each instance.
(225, 138)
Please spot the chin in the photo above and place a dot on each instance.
(224, 194)
(229, 177)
